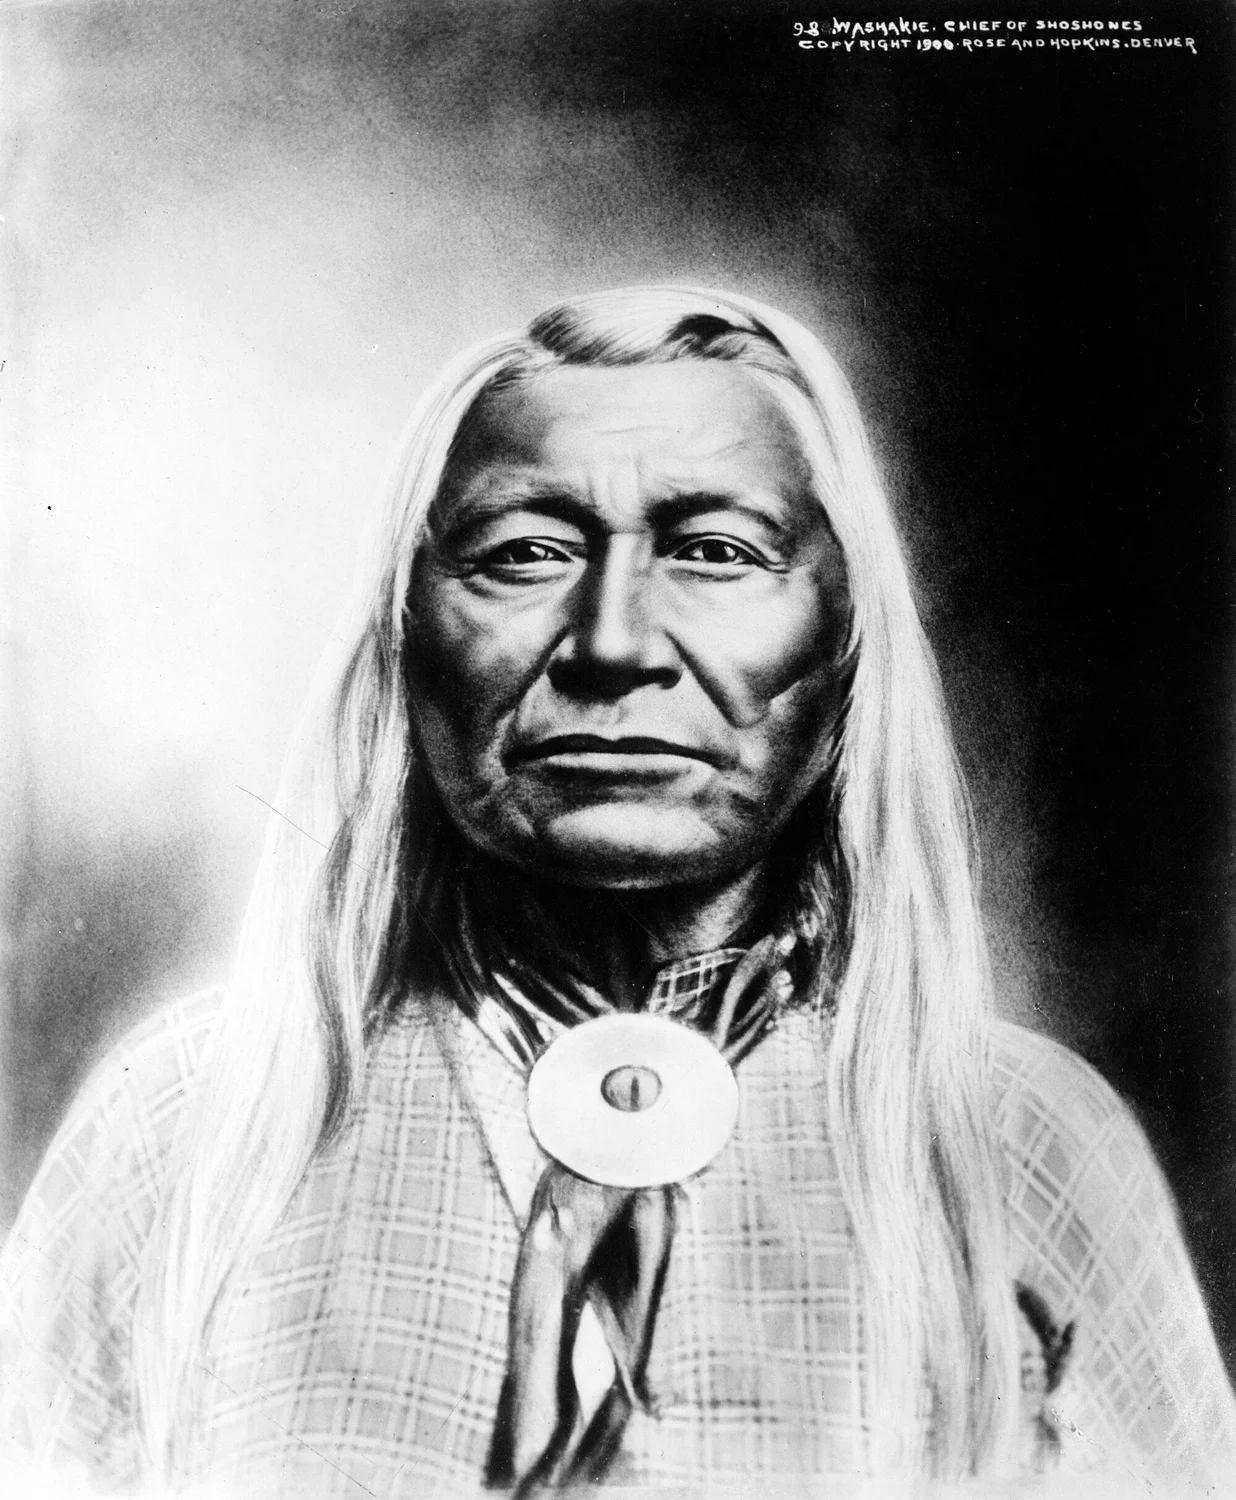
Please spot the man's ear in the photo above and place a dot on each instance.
(426, 545)
(839, 599)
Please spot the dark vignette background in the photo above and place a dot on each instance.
(1024, 263)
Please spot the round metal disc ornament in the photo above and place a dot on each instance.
(632, 1101)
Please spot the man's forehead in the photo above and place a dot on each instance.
(684, 425)
(686, 411)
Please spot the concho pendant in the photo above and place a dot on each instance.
(632, 1101)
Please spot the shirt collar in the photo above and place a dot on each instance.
(686, 990)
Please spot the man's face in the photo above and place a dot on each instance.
(625, 626)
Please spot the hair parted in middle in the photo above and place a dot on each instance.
(883, 887)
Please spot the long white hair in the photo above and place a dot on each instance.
(324, 949)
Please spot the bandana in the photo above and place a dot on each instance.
(587, 1246)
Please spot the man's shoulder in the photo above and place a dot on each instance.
(1083, 1188)
(150, 1068)
(120, 1125)
(1096, 1246)
(170, 1044)
(1042, 1085)
(94, 1198)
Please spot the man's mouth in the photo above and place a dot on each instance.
(599, 748)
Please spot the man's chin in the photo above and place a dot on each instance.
(628, 847)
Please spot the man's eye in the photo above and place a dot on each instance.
(523, 552)
(716, 551)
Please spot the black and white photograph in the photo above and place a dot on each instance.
(617, 717)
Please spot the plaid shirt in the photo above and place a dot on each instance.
(364, 1353)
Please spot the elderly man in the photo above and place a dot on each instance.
(606, 1089)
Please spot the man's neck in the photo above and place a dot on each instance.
(617, 940)
(635, 933)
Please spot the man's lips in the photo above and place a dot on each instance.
(633, 746)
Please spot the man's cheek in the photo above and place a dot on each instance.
(790, 734)
(466, 674)
(762, 673)
(490, 648)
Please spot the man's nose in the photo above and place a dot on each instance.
(616, 642)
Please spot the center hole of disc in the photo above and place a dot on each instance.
(630, 1089)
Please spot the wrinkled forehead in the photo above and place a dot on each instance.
(683, 425)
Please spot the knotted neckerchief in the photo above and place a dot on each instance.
(588, 1244)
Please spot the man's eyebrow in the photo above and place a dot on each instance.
(496, 494)
(502, 491)
(688, 504)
